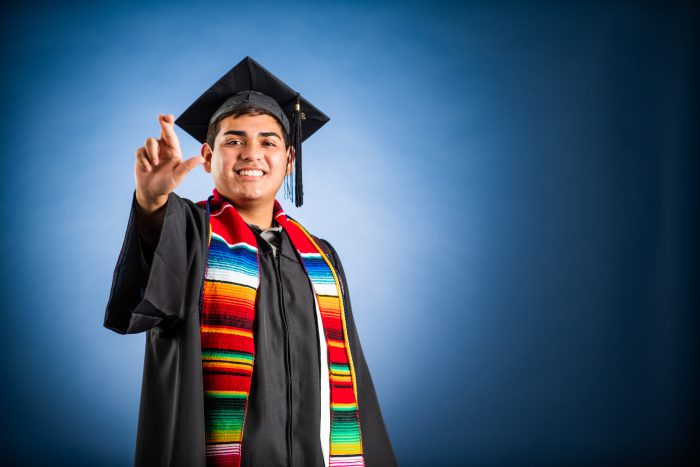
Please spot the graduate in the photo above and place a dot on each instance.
(252, 355)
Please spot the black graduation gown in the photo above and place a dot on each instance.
(162, 298)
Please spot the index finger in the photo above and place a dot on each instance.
(167, 134)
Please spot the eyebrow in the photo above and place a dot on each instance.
(244, 134)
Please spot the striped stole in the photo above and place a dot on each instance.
(227, 307)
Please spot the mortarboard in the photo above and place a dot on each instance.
(248, 83)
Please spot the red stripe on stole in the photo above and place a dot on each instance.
(342, 395)
(335, 333)
(222, 230)
(217, 341)
(240, 307)
(337, 354)
(331, 319)
(329, 323)
(226, 382)
(229, 380)
(300, 241)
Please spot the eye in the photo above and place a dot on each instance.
(269, 143)
(231, 142)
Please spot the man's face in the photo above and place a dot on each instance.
(252, 142)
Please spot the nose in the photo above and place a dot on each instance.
(251, 151)
(250, 156)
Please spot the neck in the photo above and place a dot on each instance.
(260, 215)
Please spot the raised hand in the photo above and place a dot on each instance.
(159, 167)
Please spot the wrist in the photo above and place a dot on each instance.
(150, 204)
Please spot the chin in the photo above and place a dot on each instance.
(247, 198)
(244, 195)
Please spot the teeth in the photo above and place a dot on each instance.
(253, 173)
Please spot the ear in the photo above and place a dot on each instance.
(290, 160)
(207, 155)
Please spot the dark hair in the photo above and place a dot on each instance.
(215, 126)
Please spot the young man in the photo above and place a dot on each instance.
(252, 355)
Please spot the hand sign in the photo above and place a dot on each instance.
(159, 167)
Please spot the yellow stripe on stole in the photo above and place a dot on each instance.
(341, 379)
(228, 366)
(340, 449)
(343, 406)
(235, 291)
(225, 393)
(329, 305)
(223, 330)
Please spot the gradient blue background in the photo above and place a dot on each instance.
(513, 191)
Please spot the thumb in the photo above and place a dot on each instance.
(185, 167)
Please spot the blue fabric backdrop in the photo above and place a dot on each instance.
(513, 190)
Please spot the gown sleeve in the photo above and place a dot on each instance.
(153, 289)
(375, 438)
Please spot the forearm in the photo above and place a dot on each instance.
(149, 218)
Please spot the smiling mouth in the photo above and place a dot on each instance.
(252, 173)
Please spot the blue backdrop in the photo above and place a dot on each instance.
(513, 191)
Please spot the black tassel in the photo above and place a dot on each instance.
(296, 143)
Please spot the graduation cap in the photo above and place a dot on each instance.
(249, 84)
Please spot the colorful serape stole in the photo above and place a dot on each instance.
(227, 309)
